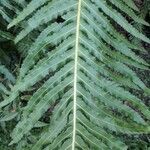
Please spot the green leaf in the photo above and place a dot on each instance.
(85, 73)
(9, 116)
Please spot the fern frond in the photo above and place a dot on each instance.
(7, 74)
(6, 35)
(30, 8)
(131, 4)
(90, 65)
(4, 6)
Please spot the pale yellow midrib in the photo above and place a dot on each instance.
(75, 75)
